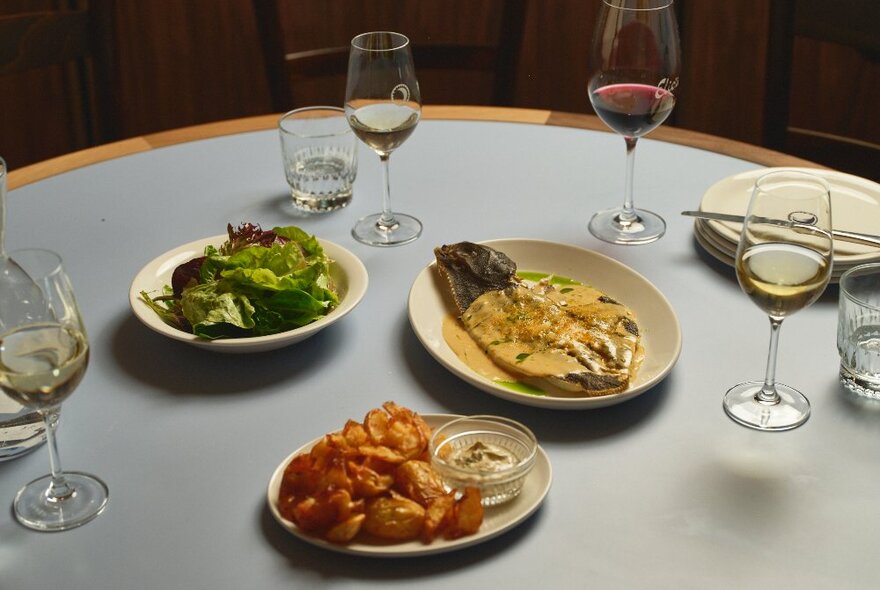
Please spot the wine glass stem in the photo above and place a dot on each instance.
(627, 213)
(768, 394)
(58, 488)
(386, 221)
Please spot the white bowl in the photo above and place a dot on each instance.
(347, 270)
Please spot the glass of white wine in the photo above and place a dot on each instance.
(41, 363)
(783, 263)
(383, 106)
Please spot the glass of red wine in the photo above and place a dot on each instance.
(634, 68)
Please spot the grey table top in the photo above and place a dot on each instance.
(663, 491)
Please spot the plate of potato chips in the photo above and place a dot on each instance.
(368, 489)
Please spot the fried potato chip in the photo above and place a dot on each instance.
(438, 516)
(382, 453)
(346, 530)
(312, 514)
(468, 515)
(418, 480)
(367, 482)
(394, 517)
(405, 437)
(355, 434)
(376, 425)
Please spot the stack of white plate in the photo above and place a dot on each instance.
(855, 206)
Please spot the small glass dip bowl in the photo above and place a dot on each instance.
(491, 453)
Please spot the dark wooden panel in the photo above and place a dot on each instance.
(184, 62)
(187, 61)
(722, 89)
(555, 58)
(836, 90)
(42, 39)
(311, 24)
(38, 119)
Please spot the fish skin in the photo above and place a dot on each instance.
(473, 270)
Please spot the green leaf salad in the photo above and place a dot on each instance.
(256, 283)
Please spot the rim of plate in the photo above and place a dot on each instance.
(718, 196)
(435, 344)
(149, 279)
(710, 242)
(497, 519)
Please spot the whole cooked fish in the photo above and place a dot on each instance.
(574, 337)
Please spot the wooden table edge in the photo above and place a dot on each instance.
(61, 164)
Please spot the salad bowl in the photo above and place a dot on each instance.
(346, 269)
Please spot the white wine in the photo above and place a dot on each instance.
(384, 126)
(782, 278)
(41, 364)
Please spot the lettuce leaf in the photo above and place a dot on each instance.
(253, 289)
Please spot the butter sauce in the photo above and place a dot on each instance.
(525, 375)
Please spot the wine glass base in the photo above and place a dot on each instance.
(34, 510)
(647, 227)
(369, 230)
(742, 406)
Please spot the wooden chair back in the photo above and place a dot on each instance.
(850, 23)
(286, 70)
(77, 38)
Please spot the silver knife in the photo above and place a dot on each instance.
(837, 234)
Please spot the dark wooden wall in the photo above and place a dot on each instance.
(183, 62)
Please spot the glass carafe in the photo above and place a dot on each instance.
(21, 429)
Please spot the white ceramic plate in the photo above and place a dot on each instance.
(855, 206)
(725, 251)
(713, 249)
(496, 519)
(347, 270)
(658, 324)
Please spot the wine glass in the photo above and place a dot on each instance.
(20, 429)
(41, 363)
(634, 67)
(783, 263)
(383, 106)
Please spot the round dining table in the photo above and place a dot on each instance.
(662, 490)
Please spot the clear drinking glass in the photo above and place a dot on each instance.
(41, 363)
(320, 158)
(383, 106)
(783, 263)
(634, 68)
(858, 330)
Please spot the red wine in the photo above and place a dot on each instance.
(632, 109)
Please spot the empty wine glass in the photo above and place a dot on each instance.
(41, 363)
(383, 106)
(783, 263)
(634, 69)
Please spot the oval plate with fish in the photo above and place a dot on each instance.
(431, 304)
